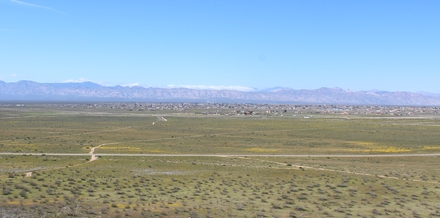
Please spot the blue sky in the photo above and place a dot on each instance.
(358, 45)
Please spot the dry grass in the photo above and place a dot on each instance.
(215, 186)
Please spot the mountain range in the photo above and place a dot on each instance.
(88, 91)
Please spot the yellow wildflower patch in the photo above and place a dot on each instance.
(360, 143)
(430, 148)
(153, 150)
(124, 148)
(393, 149)
(261, 150)
(120, 205)
(388, 149)
(18, 202)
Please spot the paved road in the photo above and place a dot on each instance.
(227, 155)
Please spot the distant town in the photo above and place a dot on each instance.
(253, 109)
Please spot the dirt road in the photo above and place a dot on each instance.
(228, 155)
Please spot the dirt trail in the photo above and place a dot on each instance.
(340, 171)
(29, 174)
(91, 152)
(162, 118)
(303, 167)
(93, 149)
(93, 158)
(225, 155)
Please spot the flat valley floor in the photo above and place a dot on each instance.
(92, 162)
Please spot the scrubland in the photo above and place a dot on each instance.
(222, 186)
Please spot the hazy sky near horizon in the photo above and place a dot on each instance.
(390, 45)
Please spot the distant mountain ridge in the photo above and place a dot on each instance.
(88, 91)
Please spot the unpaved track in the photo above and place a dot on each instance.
(246, 156)
(228, 155)
(343, 171)
(93, 157)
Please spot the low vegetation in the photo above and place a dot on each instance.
(244, 186)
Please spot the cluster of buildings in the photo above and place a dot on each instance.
(253, 108)
(259, 109)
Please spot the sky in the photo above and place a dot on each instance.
(390, 45)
